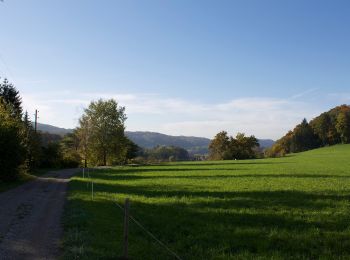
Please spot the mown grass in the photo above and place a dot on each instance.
(297, 207)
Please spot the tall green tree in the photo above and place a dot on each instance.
(12, 152)
(102, 131)
(27, 138)
(219, 147)
(303, 138)
(131, 150)
(242, 147)
(70, 150)
(343, 126)
(11, 98)
(83, 135)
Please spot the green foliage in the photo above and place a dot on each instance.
(296, 207)
(32, 144)
(58, 152)
(324, 129)
(163, 153)
(70, 150)
(131, 149)
(329, 128)
(343, 126)
(223, 147)
(10, 97)
(219, 147)
(52, 156)
(27, 150)
(303, 138)
(101, 133)
(12, 143)
(18, 136)
(12, 152)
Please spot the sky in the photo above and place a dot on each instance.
(181, 67)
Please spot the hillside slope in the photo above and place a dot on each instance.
(152, 139)
(53, 129)
(194, 145)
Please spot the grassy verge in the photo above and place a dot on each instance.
(296, 207)
(23, 178)
(4, 186)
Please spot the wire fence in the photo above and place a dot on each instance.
(130, 217)
(149, 233)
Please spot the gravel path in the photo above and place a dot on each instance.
(30, 217)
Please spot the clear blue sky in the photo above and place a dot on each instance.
(180, 67)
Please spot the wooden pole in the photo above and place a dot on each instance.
(126, 228)
(36, 120)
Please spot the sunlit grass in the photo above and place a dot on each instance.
(292, 207)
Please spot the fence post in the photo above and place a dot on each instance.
(126, 228)
(92, 190)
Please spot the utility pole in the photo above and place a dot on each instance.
(36, 120)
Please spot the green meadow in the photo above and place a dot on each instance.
(296, 207)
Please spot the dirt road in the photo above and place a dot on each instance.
(30, 217)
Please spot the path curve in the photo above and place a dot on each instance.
(30, 217)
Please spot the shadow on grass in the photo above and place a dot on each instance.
(229, 199)
(226, 223)
(222, 163)
(131, 174)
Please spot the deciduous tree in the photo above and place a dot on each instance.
(343, 126)
(101, 132)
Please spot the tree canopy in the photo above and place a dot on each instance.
(101, 133)
(329, 128)
(223, 147)
(11, 98)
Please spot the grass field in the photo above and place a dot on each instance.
(297, 207)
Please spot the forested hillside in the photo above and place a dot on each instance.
(329, 128)
(53, 129)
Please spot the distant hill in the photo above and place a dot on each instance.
(53, 129)
(266, 143)
(194, 145)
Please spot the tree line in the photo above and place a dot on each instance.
(329, 128)
(98, 140)
(17, 138)
(161, 153)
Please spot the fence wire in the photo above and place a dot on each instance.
(149, 233)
